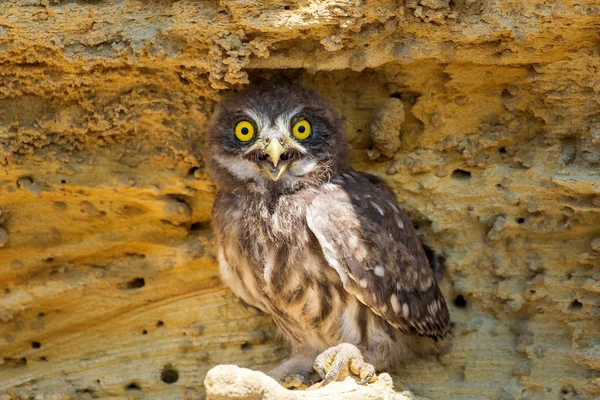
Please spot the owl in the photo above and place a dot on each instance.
(325, 250)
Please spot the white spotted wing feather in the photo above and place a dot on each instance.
(369, 240)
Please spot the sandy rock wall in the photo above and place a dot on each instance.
(482, 114)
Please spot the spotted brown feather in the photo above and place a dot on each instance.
(369, 240)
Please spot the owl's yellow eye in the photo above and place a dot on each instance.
(301, 130)
(244, 131)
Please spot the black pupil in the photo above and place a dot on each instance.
(301, 129)
(245, 131)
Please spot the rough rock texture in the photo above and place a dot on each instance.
(384, 131)
(107, 275)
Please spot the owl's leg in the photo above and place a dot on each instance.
(295, 373)
(342, 360)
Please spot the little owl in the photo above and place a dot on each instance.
(325, 250)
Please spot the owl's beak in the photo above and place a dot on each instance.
(277, 162)
(274, 150)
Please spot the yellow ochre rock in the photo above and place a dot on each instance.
(109, 284)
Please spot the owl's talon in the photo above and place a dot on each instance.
(343, 360)
(295, 381)
(370, 375)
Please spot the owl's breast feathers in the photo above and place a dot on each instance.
(324, 247)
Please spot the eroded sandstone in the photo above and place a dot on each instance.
(107, 272)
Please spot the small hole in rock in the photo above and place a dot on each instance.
(502, 150)
(49, 259)
(43, 359)
(144, 332)
(136, 283)
(286, 7)
(160, 323)
(569, 276)
(133, 386)
(520, 220)
(193, 170)
(36, 345)
(63, 181)
(135, 255)
(532, 291)
(460, 301)
(506, 94)
(460, 175)
(41, 315)
(246, 346)
(576, 304)
(200, 226)
(169, 374)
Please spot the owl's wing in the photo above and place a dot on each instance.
(369, 240)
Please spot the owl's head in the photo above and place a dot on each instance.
(278, 137)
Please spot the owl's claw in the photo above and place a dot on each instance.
(342, 360)
(295, 381)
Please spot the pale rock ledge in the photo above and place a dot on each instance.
(230, 382)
